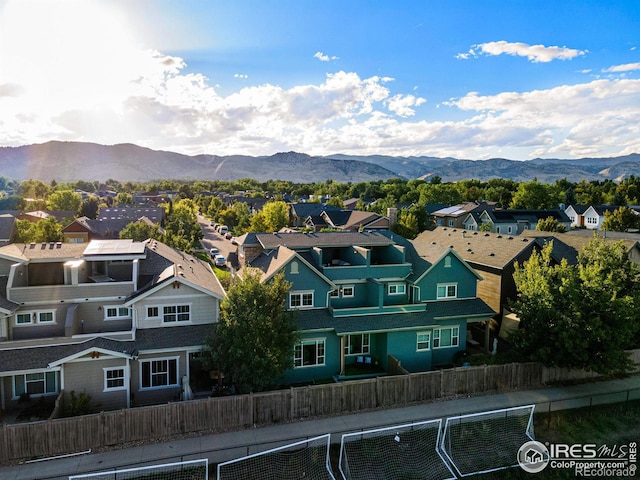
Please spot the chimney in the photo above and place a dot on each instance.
(392, 213)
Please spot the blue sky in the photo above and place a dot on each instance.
(468, 79)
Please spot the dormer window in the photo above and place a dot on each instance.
(301, 299)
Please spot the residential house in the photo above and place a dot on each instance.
(133, 213)
(576, 215)
(299, 212)
(368, 297)
(492, 255)
(83, 229)
(512, 222)
(455, 216)
(349, 220)
(7, 228)
(123, 321)
(594, 215)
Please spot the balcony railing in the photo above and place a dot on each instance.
(376, 310)
(68, 293)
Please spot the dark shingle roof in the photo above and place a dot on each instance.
(310, 320)
(322, 239)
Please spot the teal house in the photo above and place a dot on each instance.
(367, 300)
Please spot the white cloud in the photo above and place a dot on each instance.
(240, 75)
(402, 105)
(627, 67)
(324, 58)
(534, 53)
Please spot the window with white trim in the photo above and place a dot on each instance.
(294, 268)
(447, 290)
(446, 337)
(397, 289)
(358, 344)
(334, 293)
(301, 299)
(38, 316)
(450, 222)
(114, 379)
(447, 261)
(309, 353)
(23, 318)
(115, 312)
(176, 313)
(423, 341)
(35, 384)
(159, 373)
(153, 312)
(348, 291)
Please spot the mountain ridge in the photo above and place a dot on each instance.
(70, 161)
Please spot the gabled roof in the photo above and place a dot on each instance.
(525, 216)
(44, 251)
(7, 225)
(272, 262)
(165, 264)
(579, 209)
(303, 210)
(478, 248)
(350, 218)
(461, 209)
(132, 213)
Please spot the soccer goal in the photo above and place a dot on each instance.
(308, 459)
(399, 452)
(487, 441)
(187, 470)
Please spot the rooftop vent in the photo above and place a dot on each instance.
(510, 238)
(32, 245)
(59, 245)
(492, 254)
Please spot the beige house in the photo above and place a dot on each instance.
(123, 321)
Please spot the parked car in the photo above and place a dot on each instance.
(222, 229)
(220, 261)
(228, 236)
(214, 251)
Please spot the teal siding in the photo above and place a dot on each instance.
(308, 280)
(332, 360)
(402, 345)
(446, 355)
(457, 273)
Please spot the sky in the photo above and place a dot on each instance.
(445, 78)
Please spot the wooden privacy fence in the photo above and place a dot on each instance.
(76, 434)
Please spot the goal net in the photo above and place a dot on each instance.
(308, 459)
(187, 470)
(399, 452)
(488, 441)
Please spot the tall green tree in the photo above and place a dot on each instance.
(254, 339)
(621, 220)
(582, 316)
(48, 230)
(64, 200)
(550, 224)
(534, 195)
(140, 231)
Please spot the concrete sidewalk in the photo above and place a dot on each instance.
(227, 446)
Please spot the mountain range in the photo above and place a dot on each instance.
(69, 161)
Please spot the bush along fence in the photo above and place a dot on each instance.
(76, 434)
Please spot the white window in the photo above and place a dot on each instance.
(423, 339)
(23, 318)
(347, 291)
(334, 294)
(294, 268)
(508, 229)
(153, 312)
(447, 261)
(309, 353)
(35, 384)
(451, 223)
(114, 379)
(40, 316)
(116, 313)
(397, 289)
(447, 290)
(301, 299)
(356, 344)
(159, 373)
(176, 313)
(46, 317)
(446, 337)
